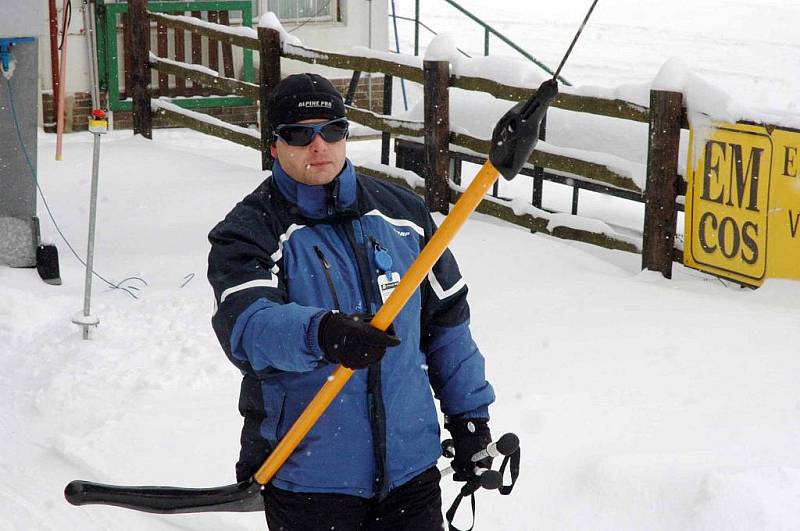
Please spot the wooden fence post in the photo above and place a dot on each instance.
(437, 135)
(197, 54)
(140, 68)
(538, 171)
(386, 138)
(162, 47)
(269, 67)
(662, 181)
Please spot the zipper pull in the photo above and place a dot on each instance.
(326, 268)
(332, 198)
(321, 257)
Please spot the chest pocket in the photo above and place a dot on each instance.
(326, 269)
(322, 273)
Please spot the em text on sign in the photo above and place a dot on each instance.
(743, 204)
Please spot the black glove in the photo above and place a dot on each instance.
(351, 341)
(470, 436)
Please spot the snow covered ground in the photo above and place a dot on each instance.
(642, 403)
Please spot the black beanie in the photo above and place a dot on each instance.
(303, 96)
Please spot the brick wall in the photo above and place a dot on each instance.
(361, 98)
(77, 107)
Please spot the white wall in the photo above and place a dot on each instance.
(22, 19)
(354, 30)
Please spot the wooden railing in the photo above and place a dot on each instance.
(438, 145)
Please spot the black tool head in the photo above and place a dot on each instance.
(516, 134)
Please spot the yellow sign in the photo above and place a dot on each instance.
(743, 204)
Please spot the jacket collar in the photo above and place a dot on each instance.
(337, 198)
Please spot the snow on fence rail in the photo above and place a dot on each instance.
(204, 76)
(204, 123)
(244, 37)
(439, 145)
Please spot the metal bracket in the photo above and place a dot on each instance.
(5, 49)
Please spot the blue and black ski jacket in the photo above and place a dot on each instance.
(289, 253)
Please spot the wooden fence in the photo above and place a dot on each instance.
(438, 149)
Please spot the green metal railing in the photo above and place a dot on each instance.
(488, 31)
(108, 55)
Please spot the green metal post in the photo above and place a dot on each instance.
(100, 42)
(112, 57)
(416, 27)
(247, 53)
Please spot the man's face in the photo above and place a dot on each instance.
(317, 163)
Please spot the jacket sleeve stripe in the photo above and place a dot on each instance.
(397, 222)
(268, 283)
(277, 255)
(442, 293)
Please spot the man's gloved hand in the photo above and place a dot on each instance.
(351, 341)
(470, 436)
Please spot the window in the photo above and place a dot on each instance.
(305, 10)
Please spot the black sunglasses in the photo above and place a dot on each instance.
(299, 135)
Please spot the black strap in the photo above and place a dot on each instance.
(467, 490)
(513, 460)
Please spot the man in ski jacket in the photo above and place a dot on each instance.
(298, 268)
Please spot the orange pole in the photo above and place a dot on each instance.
(410, 282)
(62, 84)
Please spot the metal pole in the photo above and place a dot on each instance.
(416, 28)
(574, 40)
(369, 45)
(98, 125)
(506, 40)
(88, 27)
(87, 292)
(397, 49)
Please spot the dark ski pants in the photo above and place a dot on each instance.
(414, 506)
